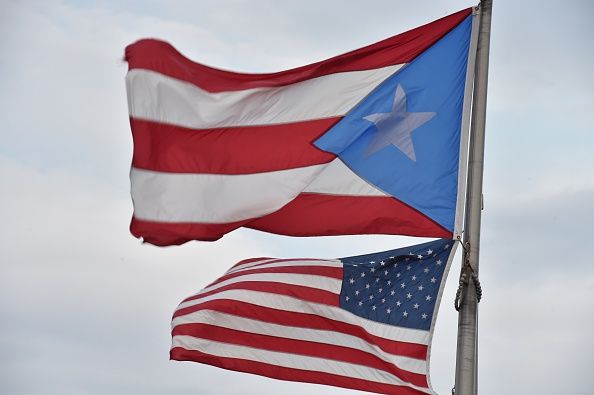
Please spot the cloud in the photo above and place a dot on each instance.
(531, 327)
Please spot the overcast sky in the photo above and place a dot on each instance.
(85, 308)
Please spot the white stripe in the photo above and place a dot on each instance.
(304, 262)
(290, 360)
(307, 280)
(305, 334)
(248, 264)
(288, 303)
(154, 96)
(213, 198)
(338, 179)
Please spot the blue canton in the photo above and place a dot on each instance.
(398, 287)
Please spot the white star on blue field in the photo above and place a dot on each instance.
(398, 287)
(396, 127)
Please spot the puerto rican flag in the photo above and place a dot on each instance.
(373, 141)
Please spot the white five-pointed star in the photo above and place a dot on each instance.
(424, 316)
(396, 127)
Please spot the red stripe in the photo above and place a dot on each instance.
(234, 150)
(168, 233)
(306, 320)
(309, 214)
(163, 58)
(309, 294)
(289, 374)
(325, 271)
(312, 214)
(297, 347)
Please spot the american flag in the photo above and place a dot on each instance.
(362, 322)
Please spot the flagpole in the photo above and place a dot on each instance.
(467, 351)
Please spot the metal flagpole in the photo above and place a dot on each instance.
(467, 352)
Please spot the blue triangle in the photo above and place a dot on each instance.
(433, 82)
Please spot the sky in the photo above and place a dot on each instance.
(85, 307)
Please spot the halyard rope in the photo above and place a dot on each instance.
(466, 273)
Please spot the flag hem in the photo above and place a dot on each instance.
(435, 311)
(465, 129)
